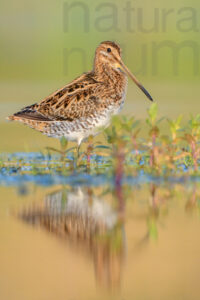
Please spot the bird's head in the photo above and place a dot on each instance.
(109, 53)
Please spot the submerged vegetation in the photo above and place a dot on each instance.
(172, 155)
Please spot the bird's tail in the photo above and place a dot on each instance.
(31, 117)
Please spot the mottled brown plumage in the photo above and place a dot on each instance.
(87, 103)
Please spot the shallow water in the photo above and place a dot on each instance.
(86, 242)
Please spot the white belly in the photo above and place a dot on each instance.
(82, 128)
(92, 126)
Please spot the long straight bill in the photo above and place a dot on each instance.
(135, 80)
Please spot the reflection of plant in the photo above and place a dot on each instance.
(112, 239)
(154, 212)
(193, 201)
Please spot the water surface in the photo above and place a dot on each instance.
(83, 242)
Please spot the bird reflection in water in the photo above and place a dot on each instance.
(87, 222)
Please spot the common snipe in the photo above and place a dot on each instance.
(77, 110)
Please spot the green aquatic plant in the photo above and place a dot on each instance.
(153, 133)
(126, 151)
(63, 148)
(175, 126)
(193, 138)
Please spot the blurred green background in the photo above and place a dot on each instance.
(45, 44)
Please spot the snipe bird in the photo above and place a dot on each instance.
(85, 105)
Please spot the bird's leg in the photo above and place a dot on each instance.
(77, 153)
(89, 150)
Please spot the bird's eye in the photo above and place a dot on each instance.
(108, 50)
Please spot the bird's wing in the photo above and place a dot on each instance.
(75, 100)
